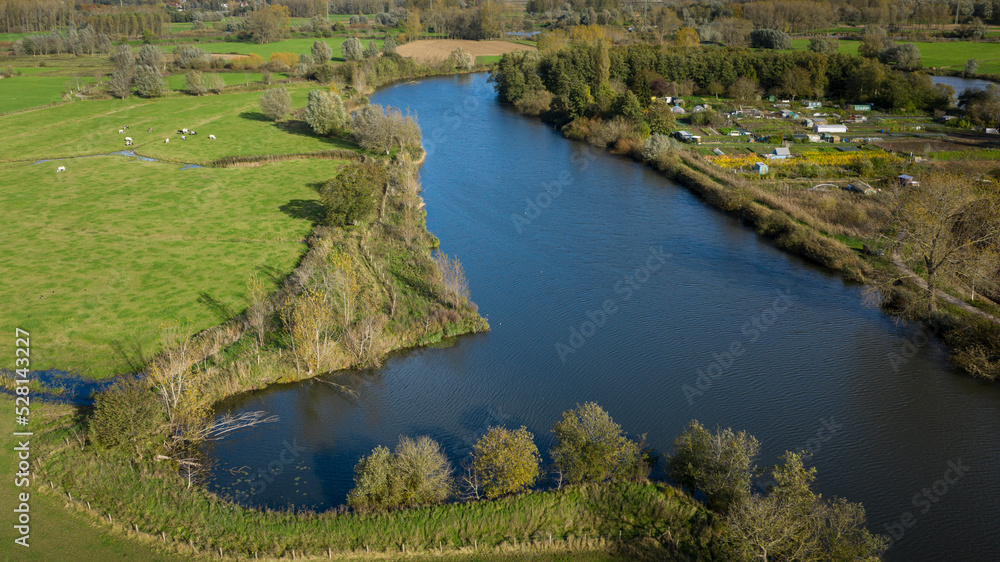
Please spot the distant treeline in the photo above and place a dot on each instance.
(128, 21)
(641, 68)
(83, 41)
(21, 16)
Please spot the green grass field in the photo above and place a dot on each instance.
(950, 55)
(32, 90)
(58, 533)
(114, 248)
(298, 46)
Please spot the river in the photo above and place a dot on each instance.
(615, 285)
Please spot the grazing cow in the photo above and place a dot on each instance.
(193, 133)
(128, 139)
(149, 130)
(211, 137)
(184, 131)
(120, 131)
(166, 141)
(128, 143)
(60, 169)
(183, 137)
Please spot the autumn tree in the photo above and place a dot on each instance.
(383, 129)
(591, 447)
(325, 112)
(267, 24)
(720, 464)
(505, 461)
(791, 522)
(462, 59)
(417, 473)
(389, 45)
(371, 50)
(194, 84)
(687, 37)
(796, 82)
(770, 39)
(660, 118)
(744, 89)
(941, 228)
(214, 83)
(308, 320)
(275, 103)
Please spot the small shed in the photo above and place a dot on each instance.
(781, 153)
(813, 104)
(830, 138)
(907, 180)
(698, 109)
(992, 131)
(760, 168)
(677, 110)
(830, 128)
(718, 152)
(861, 107)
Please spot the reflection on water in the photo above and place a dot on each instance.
(549, 233)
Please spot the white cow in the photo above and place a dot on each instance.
(211, 137)
(183, 137)
(184, 131)
(166, 141)
(120, 131)
(60, 169)
(128, 139)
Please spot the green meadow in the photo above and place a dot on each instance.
(951, 55)
(114, 249)
(298, 46)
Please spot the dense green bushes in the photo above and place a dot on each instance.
(351, 196)
(125, 415)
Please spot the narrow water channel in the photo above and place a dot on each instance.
(650, 290)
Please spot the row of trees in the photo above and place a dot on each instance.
(590, 447)
(583, 72)
(142, 75)
(26, 16)
(83, 41)
(787, 522)
(128, 21)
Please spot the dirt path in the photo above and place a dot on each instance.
(948, 298)
(439, 49)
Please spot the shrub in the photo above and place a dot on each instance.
(352, 195)
(505, 461)
(249, 62)
(125, 415)
(150, 55)
(418, 473)
(352, 49)
(770, 39)
(381, 129)
(325, 112)
(148, 82)
(186, 56)
(389, 45)
(462, 59)
(605, 133)
(825, 45)
(321, 52)
(283, 61)
(661, 120)
(194, 83)
(535, 102)
(275, 103)
(214, 83)
(371, 50)
(590, 447)
(721, 465)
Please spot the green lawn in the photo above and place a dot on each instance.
(178, 82)
(113, 248)
(949, 55)
(58, 533)
(91, 127)
(298, 45)
(32, 90)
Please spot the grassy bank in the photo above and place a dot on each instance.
(174, 519)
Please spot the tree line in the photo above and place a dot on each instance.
(787, 521)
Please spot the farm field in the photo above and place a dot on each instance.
(33, 90)
(114, 248)
(944, 55)
(439, 49)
